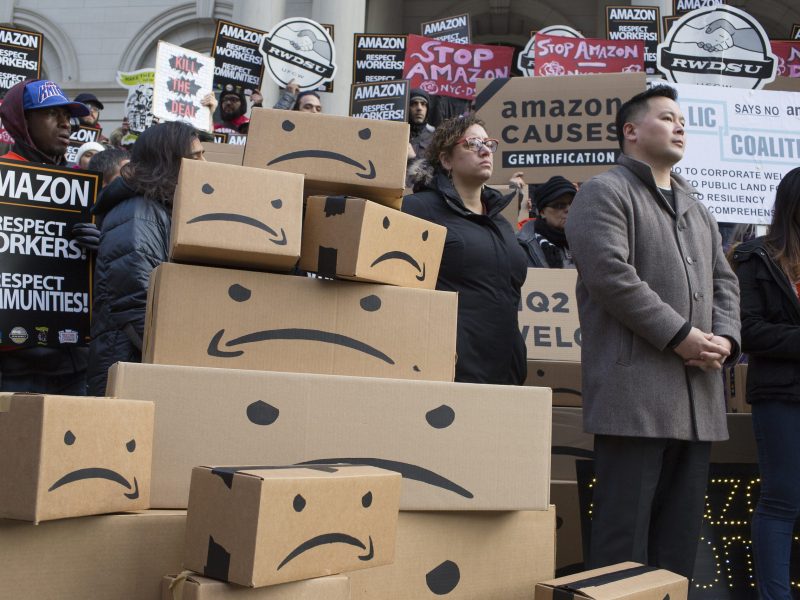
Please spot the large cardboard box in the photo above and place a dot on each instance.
(337, 155)
(459, 446)
(228, 154)
(464, 556)
(624, 580)
(563, 377)
(236, 216)
(736, 389)
(189, 586)
(352, 238)
(122, 556)
(203, 316)
(548, 315)
(261, 526)
(68, 456)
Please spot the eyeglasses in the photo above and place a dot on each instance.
(559, 205)
(476, 144)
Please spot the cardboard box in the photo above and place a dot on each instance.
(68, 456)
(624, 580)
(122, 556)
(569, 542)
(464, 556)
(736, 389)
(249, 320)
(236, 216)
(338, 155)
(259, 526)
(460, 446)
(564, 378)
(352, 238)
(548, 315)
(228, 154)
(189, 586)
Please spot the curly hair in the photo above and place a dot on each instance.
(446, 135)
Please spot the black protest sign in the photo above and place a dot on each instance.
(452, 29)
(46, 278)
(669, 21)
(795, 32)
(20, 56)
(681, 7)
(636, 23)
(237, 61)
(79, 136)
(237, 139)
(378, 57)
(220, 137)
(383, 100)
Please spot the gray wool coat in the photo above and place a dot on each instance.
(645, 270)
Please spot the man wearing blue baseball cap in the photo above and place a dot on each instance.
(37, 113)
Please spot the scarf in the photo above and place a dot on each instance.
(553, 242)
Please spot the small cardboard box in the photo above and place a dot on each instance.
(352, 238)
(736, 389)
(569, 541)
(548, 315)
(456, 450)
(228, 154)
(338, 155)
(250, 320)
(624, 580)
(122, 556)
(259, 526)
(564, 378)
(236, 216)
(68, 456)
(464, 556)
(189, 586)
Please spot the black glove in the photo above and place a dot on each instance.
(87, 235)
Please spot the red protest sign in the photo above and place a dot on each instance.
(450, 69)
(556, 55)
(788, 54)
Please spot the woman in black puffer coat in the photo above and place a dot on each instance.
(136, 211)
(769, 277)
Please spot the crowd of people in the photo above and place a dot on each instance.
(661, 308)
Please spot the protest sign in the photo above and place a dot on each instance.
(78, 137)
(383, 100)
(681, 7)
(378, 57)
(795, 32)
(139, 103)
(448, 69)
(237, 139)
(556, 56)
(668, 23)
(46, 278)
(450, 29)
(220, 137)
(299, 49)
(183, 78)
(718, 46)
(788, 54)
(548, 315)
(237, 60)
(527, 57)
(328, 85)
(554, 125)
(739, 145)
(20, 56)
(635, 23)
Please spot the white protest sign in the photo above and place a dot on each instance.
(183, 77)
(739, 144)
(299, 49)
(139, 103)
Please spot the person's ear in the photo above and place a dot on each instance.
(629, 132)
(445, 161)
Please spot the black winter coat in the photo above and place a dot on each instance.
(483, 262)
(770, 325)
(134, 240)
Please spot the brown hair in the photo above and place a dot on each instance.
(446, 134)
(783, 238)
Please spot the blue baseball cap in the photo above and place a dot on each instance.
(43, 93)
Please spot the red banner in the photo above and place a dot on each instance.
(556, 55)
(449, 69)
(788, 54)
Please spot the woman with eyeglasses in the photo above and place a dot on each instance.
(482, 260)
(543, 238)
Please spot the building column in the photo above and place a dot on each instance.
(261, 15)
(384, 16)
(347, 17)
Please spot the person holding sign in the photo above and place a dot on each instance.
(659, 313)
(769, 278)
(482, 260)
(136, 213)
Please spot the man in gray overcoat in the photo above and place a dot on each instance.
(659, 313)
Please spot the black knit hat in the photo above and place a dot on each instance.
(552, 190)
(419, 93)
(230, 90)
